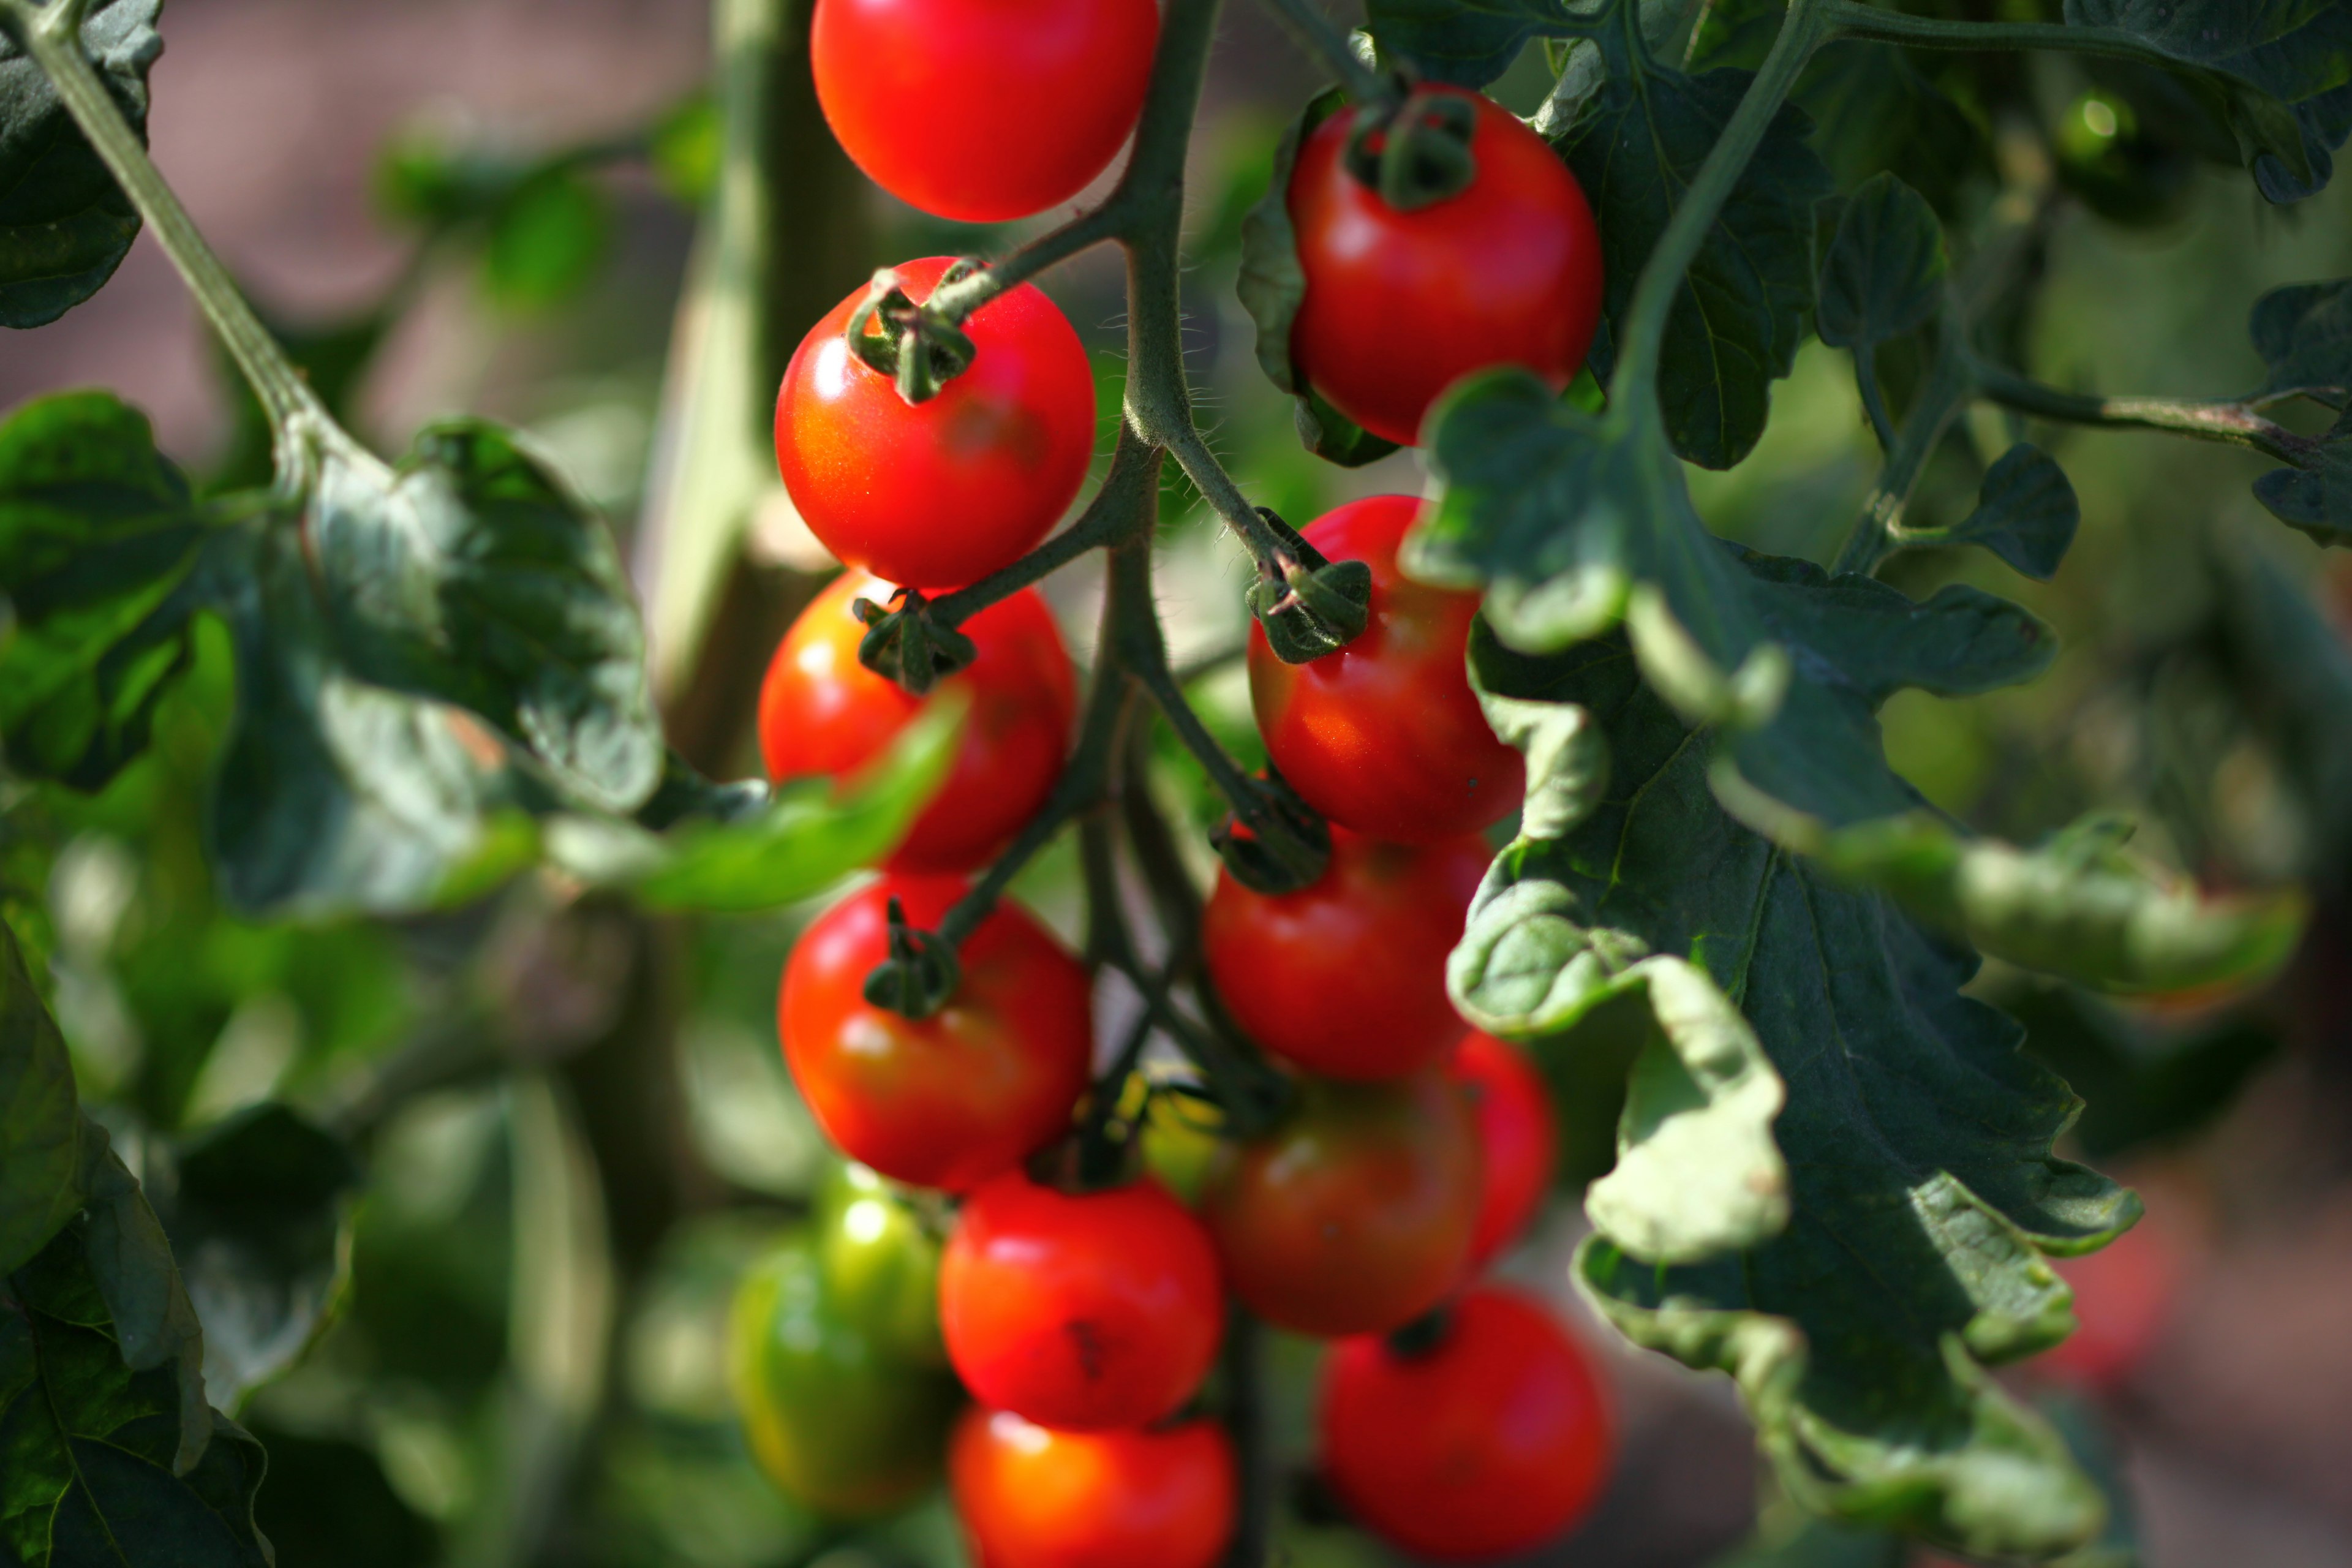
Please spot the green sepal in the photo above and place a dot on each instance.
(904, 645)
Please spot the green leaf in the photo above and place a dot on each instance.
(65, 224)
(1471, 42)
(2303, 333)
(1791, 1537)
(546, 240)
(259, 1219)
(1884, 275)
(112, 1456)
(328, 1501)
(40, 1117)
(809, 836)
(130, 1262)
(1271, 285)
(98, 542)
(1742, 309)
(2279, 73)
(1567, 759)
(2316, 495)
(471, 575)
(2026, 513)
(1924, 1194)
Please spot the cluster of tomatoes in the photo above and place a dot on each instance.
(970, 1249)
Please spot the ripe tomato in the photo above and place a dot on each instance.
(1163, 1497)
(823, 713)
(1082, 1310)
(1515, 1133)
(951, 1100)
(941, 493)
(1347, 977)
(1401, 304)
(2124, 1296)
(1385, 735)
(881, 1263)
(1354, 1215)
(1495, 1441)
(979, 111)
(836, 1423)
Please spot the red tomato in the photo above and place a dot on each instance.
(1385, 735)
(823, 713)
(2124, 1296)
(1354, 1215)
(1133, 1498)
(982, 110)
(1082, 1310)
(1515, 1132)
(1497, 1440)
(951, 1100)
(1347, 977)
(1399, 305)
(941, 493)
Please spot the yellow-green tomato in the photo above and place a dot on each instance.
(881, 1264)
(1179, 1137)
(839, 1424)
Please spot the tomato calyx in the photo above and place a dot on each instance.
(920, 973)
(1275, 843)
(1424, 1335)
(1308, 603)
(1416, 153)
(919, 347)
(905, 645)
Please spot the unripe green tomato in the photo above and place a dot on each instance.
(881, 1264)
(837, 1425)
(2107, 158)
(1179, 1137)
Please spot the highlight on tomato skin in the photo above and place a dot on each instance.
(1384, 735)
(1347, 977)
(1160, 1497)
(1517, 1135)
(1496, 1438)
(953, 1099)
(982, 110)
(938, 494)
(1399, 305)
(822, 713)
(1083, 1312)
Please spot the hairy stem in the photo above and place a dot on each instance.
(2237, 421)
(51, 35)
(1126, 507)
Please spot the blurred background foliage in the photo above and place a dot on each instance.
(568, 1123)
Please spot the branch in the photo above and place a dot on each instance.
(1876, 533)
(1853, 19)
(2237, 421)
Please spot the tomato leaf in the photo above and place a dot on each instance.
(40, 1117)
(471, 575)
(2314, 497)
(1471, 42)
(257, 1216)
(2303, 333)
(1884, 275)
(2279, 74)
(65, 224)
(98, 541)
(1742, 309)
(2026, 513)
(1271, 285)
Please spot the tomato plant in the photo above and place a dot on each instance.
(1082, 1310)
(823, 713)
(1142, 1498)
(386, 945)
(941, 493)
(1494, 1439)
(980, 112)
(950, 1100)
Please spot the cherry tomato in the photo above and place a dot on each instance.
(1399, 305)
(1082, 1310)
(835, 1421)
(1347, 977)
(881, 1262)
(981, 110)
(2124, 1296)
(1029, 1498)
(823, 713)
(1385, 735)
(1515, 1134)
(941, 493)
(1494, 1440)
(1353, 1215)
(951, 1100)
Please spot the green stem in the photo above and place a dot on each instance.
(1643, 333)
(51, 35)
(958, 299)
(1312, 31)
(1873, 396)
(1126, 507)
(1853, 19)
(1876, 533)
(2235, 421)
(1246, 1422)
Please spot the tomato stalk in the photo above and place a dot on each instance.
(2238, 421)
(1878, 533)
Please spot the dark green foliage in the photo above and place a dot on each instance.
(2141, 1084)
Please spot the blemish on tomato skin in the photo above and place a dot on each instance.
(1088, 1341)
